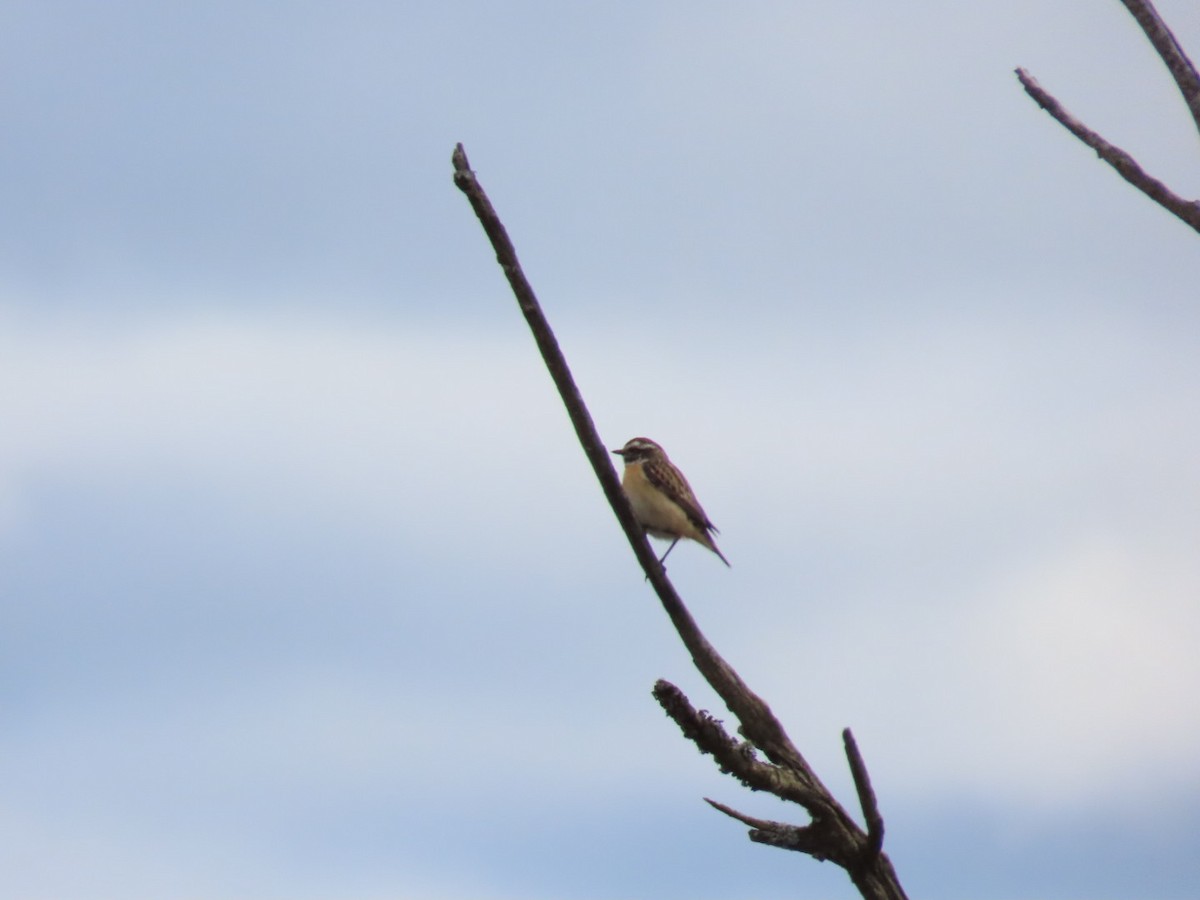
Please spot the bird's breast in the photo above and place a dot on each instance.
(653, 509)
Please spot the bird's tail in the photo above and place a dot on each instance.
(712, 545)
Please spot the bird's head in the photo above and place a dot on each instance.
(639, 448)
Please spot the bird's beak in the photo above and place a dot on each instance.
(619, 452)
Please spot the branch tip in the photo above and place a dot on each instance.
(1126, 166)
(866, 796)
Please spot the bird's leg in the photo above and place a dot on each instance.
(663, 559)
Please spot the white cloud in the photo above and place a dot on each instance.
(990, 526)
(1035, 437)
(298, 411)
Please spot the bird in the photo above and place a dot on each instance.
(662, 500)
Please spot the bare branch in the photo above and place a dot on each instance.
(757, 720)
(764, 824)
(802, 838)
(866, 795)
(1126, 165)
(735, 757)
(1172, 54)
(832, 834)
(581, 419)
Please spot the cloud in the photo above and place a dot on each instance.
(989, 526)
(271, 405)
(306, 586)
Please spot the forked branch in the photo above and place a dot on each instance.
(1186, 79)
(832, 833)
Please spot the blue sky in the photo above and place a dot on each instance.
(306, 590)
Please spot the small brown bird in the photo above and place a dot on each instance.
(662, 500)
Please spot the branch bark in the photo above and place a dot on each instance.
(866, 794)
(1186, 78)
(832, 833)
(1172, 55)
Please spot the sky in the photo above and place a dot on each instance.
(306, 588)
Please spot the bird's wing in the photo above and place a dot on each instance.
(668, 479)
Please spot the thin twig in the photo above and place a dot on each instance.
(764, 824)
(866, 797)
(808, 839)
(1126, 166)
(581, 419)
